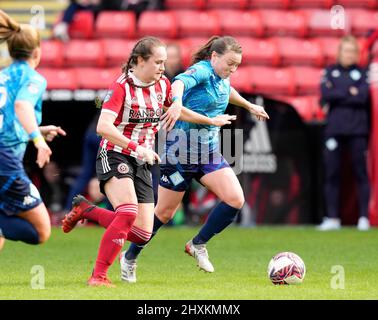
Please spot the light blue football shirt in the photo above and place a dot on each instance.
(18, 82)
(205, 93)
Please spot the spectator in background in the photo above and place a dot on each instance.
(60, 30)
(345, 93)
(173, 65)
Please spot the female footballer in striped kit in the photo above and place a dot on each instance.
(130, 117)
(204, 88)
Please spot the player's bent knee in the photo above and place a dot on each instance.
(43, 236)
(236, 202)
(166, 215)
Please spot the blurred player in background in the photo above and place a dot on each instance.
(23, 216)
(204, 88)
(345, 92)
(129, 120)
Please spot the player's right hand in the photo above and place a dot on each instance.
(44, 152)
(147, 155)
(223, 119)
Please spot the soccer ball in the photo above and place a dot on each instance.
(286, 268)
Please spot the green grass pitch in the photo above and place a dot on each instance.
(340, 265)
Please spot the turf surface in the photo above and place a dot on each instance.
(240, 257)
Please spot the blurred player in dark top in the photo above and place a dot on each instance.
(345, 92)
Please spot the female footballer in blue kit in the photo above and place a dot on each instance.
(204, 88)
(23, 216)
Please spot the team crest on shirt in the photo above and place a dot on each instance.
(108, 95)
(123, 168)
(159, 97)
(33, 88)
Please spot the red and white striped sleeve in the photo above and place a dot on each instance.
(168, 93)
(114, 99)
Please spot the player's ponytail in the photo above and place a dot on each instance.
(22, 39)
(143, 48)
(218, 44)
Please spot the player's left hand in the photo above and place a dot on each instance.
(258, 111)
(50, 132)
(170, 117)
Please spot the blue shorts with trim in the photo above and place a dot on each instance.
(17, 194)
(178, 177)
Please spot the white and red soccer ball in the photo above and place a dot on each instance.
(286, 268)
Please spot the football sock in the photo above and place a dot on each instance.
(102, 216)
(219, 218)
(18, 229)
(138, 235)
(114, 238)
(135, 249)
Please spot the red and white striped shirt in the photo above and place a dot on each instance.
(138, 108)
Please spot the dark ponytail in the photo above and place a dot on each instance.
(218, 44)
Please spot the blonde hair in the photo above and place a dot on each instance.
(218, 44)
(347, 39)
(22, 39)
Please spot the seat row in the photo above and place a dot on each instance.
(291, 81)
(253, 23)
(280, 4)
(277, 51)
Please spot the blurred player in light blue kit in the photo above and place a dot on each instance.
(204, 88)
(23, 216)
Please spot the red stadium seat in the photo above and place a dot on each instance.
(371, 4)
(299, 51)
(326, 4)
(59, 78)
(307, 80)
(240, 23)
(240, 80)
(307, 107)
(52, 54)
(197, 23)
(184, 4)
(363, 21)
(269, 4)
(259, 51)
(226, 4)
(284, 23)
(84, 53)
(116, 24)
(272, 81)
(330, 47)
(117, 51)
(82, 25)
(319, 24)
(95, 78)
(157, 23)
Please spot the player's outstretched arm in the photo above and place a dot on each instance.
(194, 117)
(237, 100)
(25, 114)
(170, 117)
(50, 132)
